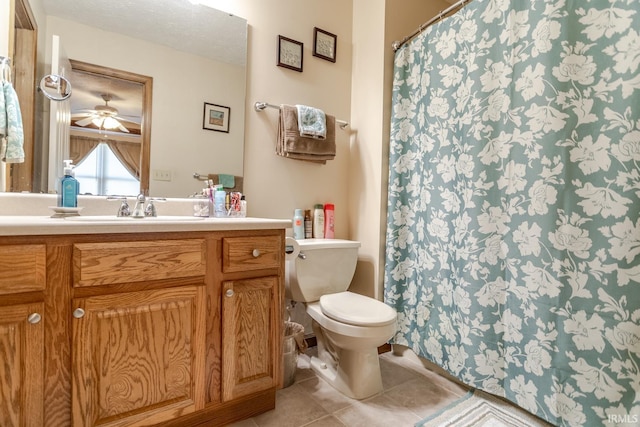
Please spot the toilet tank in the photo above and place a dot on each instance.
(324, 266)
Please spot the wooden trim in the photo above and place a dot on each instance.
(145, 125)
(227, 413)
(23, 39)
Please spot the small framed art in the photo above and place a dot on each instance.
(290, 53)
(324, 44)
(216, 117)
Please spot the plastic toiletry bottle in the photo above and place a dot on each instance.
(69, 188)
(318, 221)
(219, 199)
(329, 228)
(298, 225)
(243, 206)
(308, 224)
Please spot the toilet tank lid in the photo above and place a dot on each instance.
(355, 309)
(327, 243)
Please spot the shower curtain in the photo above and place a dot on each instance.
(513, 230)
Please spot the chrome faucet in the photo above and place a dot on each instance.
(124, 209)
(138, 210)
(150, 209)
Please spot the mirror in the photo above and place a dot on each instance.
(196, 55)
(54, 87)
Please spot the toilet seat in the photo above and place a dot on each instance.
(355, 309)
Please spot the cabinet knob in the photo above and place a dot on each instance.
(78, 313)
(229, 293)
(256, 253)
(34, 318)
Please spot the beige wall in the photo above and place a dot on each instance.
(275, 186)
(357, 88)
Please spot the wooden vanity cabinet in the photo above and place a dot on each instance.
(22, 282)
(172, 329)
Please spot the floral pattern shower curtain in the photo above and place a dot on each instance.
(513, 230)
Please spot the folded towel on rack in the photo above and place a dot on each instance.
(11, 125)
(311, 122)
(291, 145)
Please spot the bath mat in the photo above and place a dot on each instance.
(479, 409)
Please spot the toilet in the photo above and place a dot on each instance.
(349, 327)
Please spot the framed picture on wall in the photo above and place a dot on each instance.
(216, 117)
(290, 53)
(324, 44)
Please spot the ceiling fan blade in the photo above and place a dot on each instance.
(84, 121)
(123, 129)
(81, 114)
(123, 119)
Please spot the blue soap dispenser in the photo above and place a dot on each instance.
(69, 188)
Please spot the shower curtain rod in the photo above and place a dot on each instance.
(398, 44)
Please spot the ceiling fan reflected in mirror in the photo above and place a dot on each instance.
(104, 117)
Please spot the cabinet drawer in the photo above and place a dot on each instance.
(127, 262)
(251, 253)
(22, 268)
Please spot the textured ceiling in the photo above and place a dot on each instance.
(178, 24)
(196, 29)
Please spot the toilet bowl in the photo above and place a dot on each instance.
(349, 327)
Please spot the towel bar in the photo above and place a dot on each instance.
(259, 106)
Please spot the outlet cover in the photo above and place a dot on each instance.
(161, 175)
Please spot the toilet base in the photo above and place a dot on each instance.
(356, 375)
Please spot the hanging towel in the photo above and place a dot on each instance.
(293, 146)
(311, 122)
(11, 131)
(227, 181)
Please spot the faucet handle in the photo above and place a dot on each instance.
(124, 209)
(151, 208)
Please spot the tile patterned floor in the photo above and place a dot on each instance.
(411, 393)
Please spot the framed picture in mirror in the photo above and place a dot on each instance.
(216, 117)
(324, 44)
(290, 53)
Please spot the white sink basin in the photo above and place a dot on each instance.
(112, 218)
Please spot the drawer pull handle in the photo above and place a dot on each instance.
(256, 253)
(34, 318)
(229, 293)
(78, 313)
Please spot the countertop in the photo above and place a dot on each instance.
(25, 225)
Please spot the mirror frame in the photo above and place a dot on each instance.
(145, 124)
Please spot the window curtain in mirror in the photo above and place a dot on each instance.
(513, 231)
(128, 153)
(80, 147)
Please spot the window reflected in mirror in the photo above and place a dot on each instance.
(104, 171)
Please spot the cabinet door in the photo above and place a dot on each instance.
(21, 365)
(138, 357)
(250, 336)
